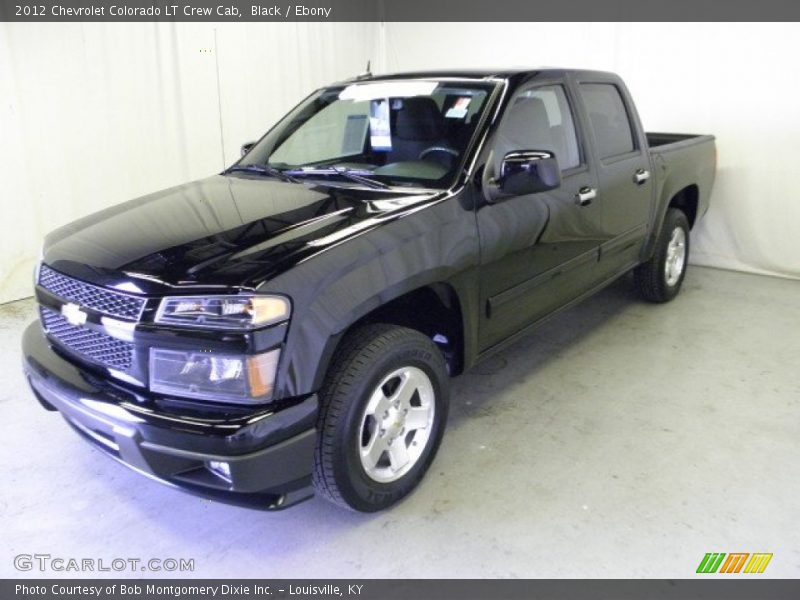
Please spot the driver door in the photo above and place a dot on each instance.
(538, 251)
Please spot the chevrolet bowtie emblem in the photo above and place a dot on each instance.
(73, 314)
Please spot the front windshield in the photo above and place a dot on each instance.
(394, 132)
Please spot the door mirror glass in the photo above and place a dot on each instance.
(247, 147)
(528, 172)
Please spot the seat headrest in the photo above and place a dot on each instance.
(527, 122)
(419, 119)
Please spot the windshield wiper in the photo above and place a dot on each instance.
(357, 175)
(263, 170)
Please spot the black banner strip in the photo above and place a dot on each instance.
(713, 588)
(397, 10)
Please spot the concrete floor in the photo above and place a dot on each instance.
(620, 440)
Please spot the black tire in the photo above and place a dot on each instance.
(364, 359)
(651, 277)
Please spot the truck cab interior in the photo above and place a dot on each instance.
(403, 139)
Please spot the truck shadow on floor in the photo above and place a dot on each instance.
(479, 391)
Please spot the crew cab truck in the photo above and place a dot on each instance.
(291, 324)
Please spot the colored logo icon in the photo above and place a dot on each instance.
(736, 562)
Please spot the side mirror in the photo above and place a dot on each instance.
(526, 172)
(247, 147)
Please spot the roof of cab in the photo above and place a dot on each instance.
(501, 73)
(446, 73)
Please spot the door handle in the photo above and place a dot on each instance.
(585, 196)
(641, 176)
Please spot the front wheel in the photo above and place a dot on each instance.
(660, 278)
(383, 409)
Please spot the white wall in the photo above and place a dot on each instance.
(737, 81)
(95, 114)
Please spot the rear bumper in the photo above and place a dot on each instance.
(270, 455)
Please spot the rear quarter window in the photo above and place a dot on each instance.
(608, 118)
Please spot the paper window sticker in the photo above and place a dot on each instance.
(380, 131)
(459, 109)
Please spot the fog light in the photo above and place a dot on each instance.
(220, 469)
(211, 376)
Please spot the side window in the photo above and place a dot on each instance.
(541, 119)
(609, 119)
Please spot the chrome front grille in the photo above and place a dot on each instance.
(93, 345)
(112, 303)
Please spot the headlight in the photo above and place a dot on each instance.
(245, 379)
(244, 311)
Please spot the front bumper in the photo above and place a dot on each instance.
(270, 454)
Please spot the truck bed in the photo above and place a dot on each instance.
(656, 140)
(684, 162)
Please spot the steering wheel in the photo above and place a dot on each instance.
(445, 149)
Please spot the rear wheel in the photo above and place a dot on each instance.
(660, 278)
(383, 409)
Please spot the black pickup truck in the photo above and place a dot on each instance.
(292, 323)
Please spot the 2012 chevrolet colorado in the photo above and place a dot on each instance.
(292, 323)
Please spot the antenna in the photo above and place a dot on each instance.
(366, 74)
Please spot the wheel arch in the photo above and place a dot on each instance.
(686, 200)
(684, 197)
(434, 308)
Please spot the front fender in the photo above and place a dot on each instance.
(342, 283)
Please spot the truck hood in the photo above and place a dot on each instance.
(219, 233)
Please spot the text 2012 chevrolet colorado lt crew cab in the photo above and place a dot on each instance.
(292, 322)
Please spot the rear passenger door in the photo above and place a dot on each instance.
(623, 171)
